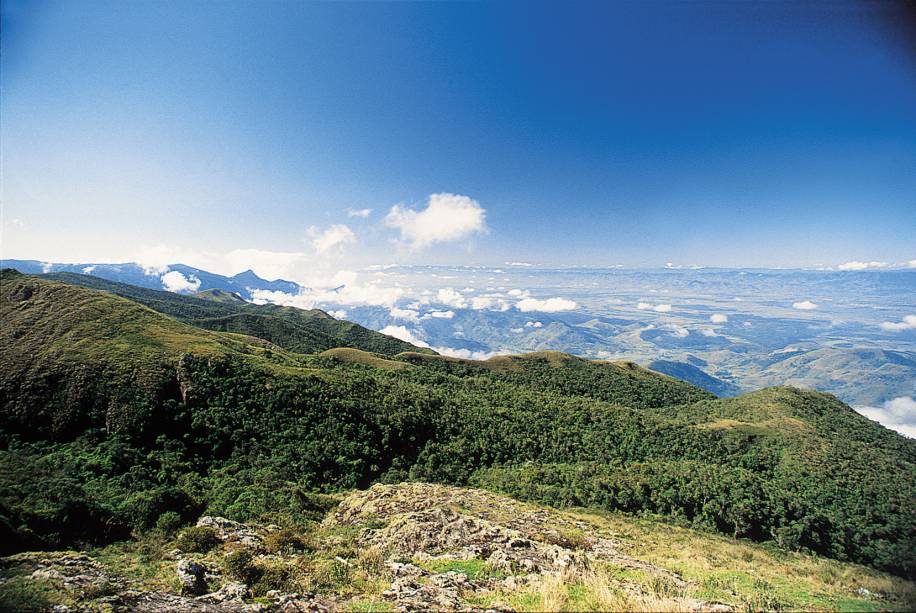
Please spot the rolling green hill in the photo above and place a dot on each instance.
(115, 418)
(299, 330)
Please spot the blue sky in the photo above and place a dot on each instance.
(234, 133)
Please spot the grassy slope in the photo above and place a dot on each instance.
(69, 353)
(299, 330)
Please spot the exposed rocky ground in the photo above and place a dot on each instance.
(407, 547)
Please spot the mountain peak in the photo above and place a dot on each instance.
(247, 274)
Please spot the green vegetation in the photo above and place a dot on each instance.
(196, 539)
(117, 420)
(299, 330)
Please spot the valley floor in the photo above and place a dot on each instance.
(418, 546)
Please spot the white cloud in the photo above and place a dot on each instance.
(708, 332)
(519, 293)
(335, 236)
(644, 306)
(450, 297)
(662, 308)
(338, 314)
(718, 318)
(465, 354)
(908, 323)
(898, 414)
(404, 334)
(911, 264)
(804, 305)
(361, 213)
(550, 305)
(176, 282)
(405, 314)
(341, 288)
(534, 324)
(440, 314)
(856, 265)
(88, 270)
(678, 331)
(155, 260)
(522, 264)
(489, 302)
(446, 218)
(266, 264)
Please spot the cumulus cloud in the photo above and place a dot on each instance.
(341, 288)
(804, 305)
(550, 305)
(718, 318)
(361, 213)
(489, 302)
(335, 236)
(908, 323)
(465, 354)
(338, 314)
(911, 264)
(446, 218)
(155, 260)
(401, 332)
(174, 281)
(440, 314)
(856, 265)
(88, 270)
(534, 324)
(404, 314)
(266, 264)
(522, 264)
(678, 331)
(658, 308)
(898, 414)
(450, 297)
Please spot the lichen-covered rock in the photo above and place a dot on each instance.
(193, 578)
(229, 592)
(232, 531)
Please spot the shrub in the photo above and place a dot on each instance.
(169, 522)
(197, 539)
(277, 576)
(239, 565)
(284, 541)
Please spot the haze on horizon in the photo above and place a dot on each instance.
(291, 137)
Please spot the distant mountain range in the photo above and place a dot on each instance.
(841, 347)
(134, 274)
